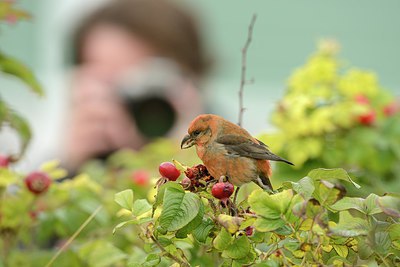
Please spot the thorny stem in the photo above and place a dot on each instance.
(176, 259)
(243, 79)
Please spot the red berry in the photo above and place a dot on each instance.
(222, 190)
(37, 182)
(390, 109)
(362, 99)
(367, 118)
(169, 171)
(141, 177)
(4, 161)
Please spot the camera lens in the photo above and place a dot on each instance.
(154, 116)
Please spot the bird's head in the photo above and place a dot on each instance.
(201, 130)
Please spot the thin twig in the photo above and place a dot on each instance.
(69, 241)
(243, 79)
(176, 259)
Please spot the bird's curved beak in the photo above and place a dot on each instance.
(187, 142)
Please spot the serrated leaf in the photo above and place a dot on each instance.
(152, 260)
(305, 187)
(222, 240)
(329, 174)
(327, 193)
(161, 191)
(125, 199)
(238, 249)
(14, 67)
(140, 206)
(350, 226)
(183, 232)
(203, 230)
(179, 208)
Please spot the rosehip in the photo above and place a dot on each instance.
(37, 182)
(4, 161)
(390, 109)
(222, 190)
(362, 99)
(169, 171)
(140, 177)
(367, 118)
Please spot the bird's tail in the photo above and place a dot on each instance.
(274, 157)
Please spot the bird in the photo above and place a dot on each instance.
(227, 149)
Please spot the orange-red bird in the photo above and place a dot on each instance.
(227, 149)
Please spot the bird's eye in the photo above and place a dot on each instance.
(196, 133)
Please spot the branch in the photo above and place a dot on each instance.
(243, 79)
(176, 259)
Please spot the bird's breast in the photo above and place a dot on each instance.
(239, 170)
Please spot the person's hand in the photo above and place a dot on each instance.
(98, 123)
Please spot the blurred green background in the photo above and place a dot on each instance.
(285, 34)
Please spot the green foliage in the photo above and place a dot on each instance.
(305, 223)
(334, 116)
(15, 68)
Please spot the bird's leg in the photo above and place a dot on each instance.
(236, 194)
(265, 183)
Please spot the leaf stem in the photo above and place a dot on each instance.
(176, 259)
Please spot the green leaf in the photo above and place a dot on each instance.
(203, 230)
(267, 225)
(368, 206)
(382, 242)
(329, 174)
(183, 232)
(179, 208)
(341, 250)
(327, 193)
(161, 191)
(394, 231)
(350, 226)
(222, 240)
(16, 68)
(305, 187)
(140, 206)
(134, 221)
(270, 206)
(152, 260)
(125, 199)
(238, 249)
(390, 204)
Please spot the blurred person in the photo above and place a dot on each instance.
(137, 65)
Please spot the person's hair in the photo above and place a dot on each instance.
(164, 25)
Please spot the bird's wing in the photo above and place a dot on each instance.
(241, 146)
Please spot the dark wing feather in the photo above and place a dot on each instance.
(244, 147)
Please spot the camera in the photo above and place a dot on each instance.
(146, 95)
